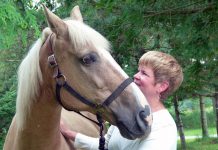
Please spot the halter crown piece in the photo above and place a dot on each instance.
(61, 82)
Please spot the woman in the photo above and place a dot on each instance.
(159, 75)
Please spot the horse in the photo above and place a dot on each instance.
(71, 56)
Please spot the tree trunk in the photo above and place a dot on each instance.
(204, 125)
(179, 123)
(216, 106)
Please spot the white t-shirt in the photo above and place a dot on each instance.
(163, 136)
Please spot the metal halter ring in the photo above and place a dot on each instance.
(61, 79)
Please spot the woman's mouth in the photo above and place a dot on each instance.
(137, 83)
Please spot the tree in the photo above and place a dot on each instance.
(203, 117)
(179, 122)
(216, 107)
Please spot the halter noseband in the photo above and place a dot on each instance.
(61, 82)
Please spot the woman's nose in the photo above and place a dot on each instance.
(136, 76)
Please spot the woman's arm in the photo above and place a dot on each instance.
(82, 141)
(67, 132)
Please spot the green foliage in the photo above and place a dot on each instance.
(10, 21)
(18, 27)
(7, 111)
(2, 138)
(192, 120)
(7, 108)
(15, 25)
(190, 113)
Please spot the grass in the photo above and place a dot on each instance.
(198, 132)
(200, 144)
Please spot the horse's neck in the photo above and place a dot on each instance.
(44, 114)
(41, 127)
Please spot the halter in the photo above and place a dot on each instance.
(61, 82)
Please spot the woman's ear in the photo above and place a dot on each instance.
(163, 86)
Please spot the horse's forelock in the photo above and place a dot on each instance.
(82, 35)
(29, 79)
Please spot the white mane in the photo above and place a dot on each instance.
(29, 79)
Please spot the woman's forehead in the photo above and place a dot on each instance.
(147, 69)
(144, 67)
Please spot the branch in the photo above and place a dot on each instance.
(155, 48)
(211, 94)
(10, 60)
(173, 11)
(206, 95)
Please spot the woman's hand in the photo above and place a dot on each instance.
(66, 132)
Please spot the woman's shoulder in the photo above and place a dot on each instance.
(163, 118)
(161, 113)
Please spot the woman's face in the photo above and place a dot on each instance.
(146, 81)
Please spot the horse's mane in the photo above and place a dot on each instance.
(29, 72)
(29, 78)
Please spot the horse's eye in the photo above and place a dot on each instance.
(89, 59)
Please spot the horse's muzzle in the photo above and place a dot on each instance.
(141, 127)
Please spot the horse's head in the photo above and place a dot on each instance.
(83, 57)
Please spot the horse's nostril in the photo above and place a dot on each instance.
(142, 115)
(145, 115)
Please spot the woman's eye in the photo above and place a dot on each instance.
(89, 59)
(144, 73)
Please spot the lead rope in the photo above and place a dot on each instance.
(102, 138)
(101, 126)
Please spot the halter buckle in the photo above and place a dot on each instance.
(52, 61)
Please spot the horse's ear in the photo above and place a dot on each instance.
(76, 14)
(54, 22)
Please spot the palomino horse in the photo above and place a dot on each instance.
(73, 53)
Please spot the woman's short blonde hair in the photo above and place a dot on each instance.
(165, 68)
